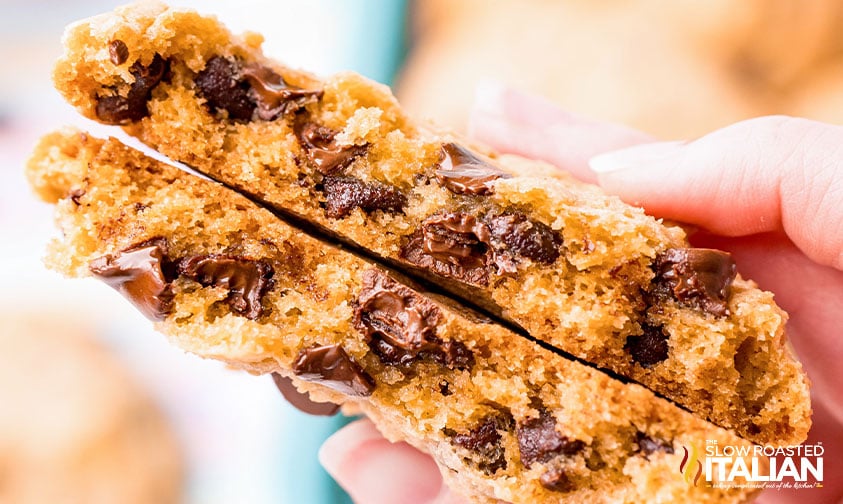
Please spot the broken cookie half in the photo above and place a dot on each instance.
(226, 279)
(577, 269)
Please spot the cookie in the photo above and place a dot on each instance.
(227, 279)
(74, 426)
(577, 269)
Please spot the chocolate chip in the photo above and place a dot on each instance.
(445, 388)
(648, 445)
(557, 480)
(449, 245)
(400, 325)
(413, 251)
(331, 366)
(457, 238)
(485, 440)
(321, 147)
(248, 91)
(118, 53)
(140, 274)
(538, 440)
(514, 235)
(649, 348)
(391, 355)
(461, 246)
(117, 109)
(344, 194)
(247, 280)
(697, 277)
(451, 354)
(273, 96)
(301, 400)
(395, 313)
(463, 172)
(220, 84)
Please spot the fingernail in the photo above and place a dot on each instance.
(489, 96)
(632, 157)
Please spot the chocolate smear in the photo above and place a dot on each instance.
(246, 279)
(463, 172)
(138, 273)
(301, 400)
(331, 366)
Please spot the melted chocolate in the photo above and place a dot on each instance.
(273, 96)
(395, 313)
(249, 92)
(246, 279)
(322, 150)
(462, 246)
(331, 366)
(301, 400)
(400, 325)
(138, 273)
(463, 172)
(118, 53)
(118, 109)
(697, 277)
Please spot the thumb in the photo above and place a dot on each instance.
(767, 174)
(375, 471)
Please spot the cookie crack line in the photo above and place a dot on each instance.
(329, 237)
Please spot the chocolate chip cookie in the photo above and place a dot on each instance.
(227, 279)
(582, 271)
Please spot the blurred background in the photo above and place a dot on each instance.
(96, 407)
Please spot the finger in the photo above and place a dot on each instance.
(375, 471)
(812, 294)
(766, 174)
(533, 127)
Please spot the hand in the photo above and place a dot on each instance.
(771, 189)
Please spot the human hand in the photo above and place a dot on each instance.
(767, 187)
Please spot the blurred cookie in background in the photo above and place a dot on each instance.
(73, 426)
(674, 69)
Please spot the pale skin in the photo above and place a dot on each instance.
(768, 190)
